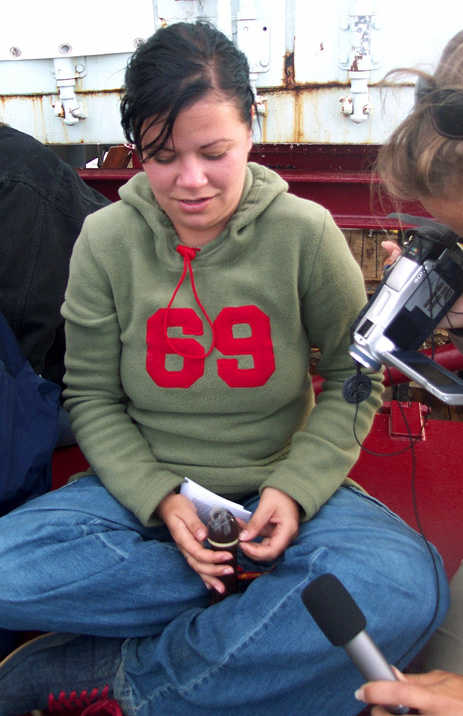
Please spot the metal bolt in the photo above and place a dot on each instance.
(15, 52)
(65, 48)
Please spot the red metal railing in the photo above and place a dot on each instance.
(337, 176)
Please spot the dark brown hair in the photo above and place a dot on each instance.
(173, 69)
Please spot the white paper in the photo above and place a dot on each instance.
(205, 500)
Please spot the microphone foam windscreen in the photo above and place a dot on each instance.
(333, 609)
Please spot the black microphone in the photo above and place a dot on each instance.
(343, 623)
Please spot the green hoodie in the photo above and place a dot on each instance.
(228, 402)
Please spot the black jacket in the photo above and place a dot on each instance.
(43, 203)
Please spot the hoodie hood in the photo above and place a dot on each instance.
(261, 187)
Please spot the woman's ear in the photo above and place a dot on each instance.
(250, 142)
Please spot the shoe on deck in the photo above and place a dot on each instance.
(61, 673)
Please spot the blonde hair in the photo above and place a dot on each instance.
(417, 161)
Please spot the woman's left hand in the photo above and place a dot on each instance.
(276, 519)
(393, 251)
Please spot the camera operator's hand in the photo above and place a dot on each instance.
(454, 318)
(276, 520)
(188, 532)
(437, 693)
(393, 251)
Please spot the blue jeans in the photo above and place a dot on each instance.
(75, 560)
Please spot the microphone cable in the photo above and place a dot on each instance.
(358, 388)
(416, 512)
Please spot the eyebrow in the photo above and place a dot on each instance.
(216, 141)
(172, 150)
(203, 146)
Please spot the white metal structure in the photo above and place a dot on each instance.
(313, 64)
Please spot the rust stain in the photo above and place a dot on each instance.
(4, 98)
(335, 84)
(42, 95)
(298, 117)
(354, 66)
(289, 79)
(264, 126)
(299, 86)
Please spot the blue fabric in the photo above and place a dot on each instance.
(75, 560)
(29, 408)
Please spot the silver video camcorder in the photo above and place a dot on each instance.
(414, 295)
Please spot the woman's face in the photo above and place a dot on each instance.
(448, 211)
(198, 176)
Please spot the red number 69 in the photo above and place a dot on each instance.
(258, 345)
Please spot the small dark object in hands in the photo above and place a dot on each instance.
(223, 535)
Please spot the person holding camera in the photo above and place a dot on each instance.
(191, 309)
(423, 160)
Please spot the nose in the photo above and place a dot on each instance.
(191, 173)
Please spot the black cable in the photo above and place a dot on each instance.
(411, 448)
(355, 395)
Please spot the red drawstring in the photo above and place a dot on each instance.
(188, 253)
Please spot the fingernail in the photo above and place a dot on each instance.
(244, 534)
(359, 695)
(398, 674)
(228, 570)
(201, 535)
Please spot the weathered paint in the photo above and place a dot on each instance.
(301, 113)
(35, 115)
(300, 75)
(289, 79)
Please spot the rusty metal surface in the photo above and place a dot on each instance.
(34, 114)
(295, 112)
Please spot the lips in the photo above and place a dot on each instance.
(200, 200)
(193, 204)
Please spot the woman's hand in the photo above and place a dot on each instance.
(276, 519)
(393, 252)
(437, 693)
(188, 532)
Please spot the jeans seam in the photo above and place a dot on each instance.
(125, 692)
(196, 681)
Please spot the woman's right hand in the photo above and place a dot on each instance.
(188, 532)
(437, 693)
